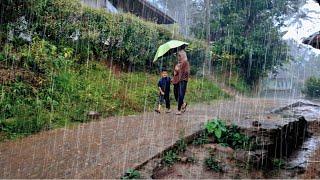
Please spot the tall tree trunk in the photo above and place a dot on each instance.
(208, 56)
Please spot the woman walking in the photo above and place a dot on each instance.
(180, 80)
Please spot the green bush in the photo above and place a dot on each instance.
(95, 34)
(278, 163)
(64, 67)
(202, 139)
(236, 139)
(181, 145)
(170, 158)
(239, 84)
(131, 174)
(227, 135)
(212, 164)
(312, 87)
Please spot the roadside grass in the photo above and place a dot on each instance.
(72, 92)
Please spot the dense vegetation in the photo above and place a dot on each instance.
(91, 34)
(312, 87)
(245, 38)
(54, 59)
(226, 135)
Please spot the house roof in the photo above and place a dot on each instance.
(168, 19)
(313, 40)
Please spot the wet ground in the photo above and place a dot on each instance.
(230, 168)
(303, 162)
(106, 148)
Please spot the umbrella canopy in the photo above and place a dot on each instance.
(169, 48)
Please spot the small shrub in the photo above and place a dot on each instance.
(131, 174)
(312, 87)
(278, 163)
(212, 164)
(236, 139)
(181, 144)
(239, 84)
(170, 158)
(228, 136)
(202, 139)
(2, 57)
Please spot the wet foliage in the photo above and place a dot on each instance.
(212, 164)
(55, 55)
(131, 174)
(246, 42)
(92, 34)
(312, 87)
(203, 138)
(170, 158)
(278, 163)
(223, 134)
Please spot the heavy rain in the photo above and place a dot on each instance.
(159, 89)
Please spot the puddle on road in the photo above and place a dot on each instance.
(309, 112)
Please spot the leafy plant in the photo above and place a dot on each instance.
(278, 163)
(170, 158)
(202, 139)
(228, 136)
(236, 139)
(212, 164)
(181, 145)
(216, 127)
(131, 174)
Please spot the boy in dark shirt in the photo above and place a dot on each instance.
(164, 91)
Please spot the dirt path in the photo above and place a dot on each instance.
(105, 149)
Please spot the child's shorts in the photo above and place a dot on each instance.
(161, 99)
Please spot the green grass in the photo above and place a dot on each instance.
(70, 93)
(233, 80)
(239, 85)
(200, 90)
(57, 81)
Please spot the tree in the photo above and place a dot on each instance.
(245, 37)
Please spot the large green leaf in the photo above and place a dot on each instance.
(218, 133)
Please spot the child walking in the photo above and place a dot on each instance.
(164, 91)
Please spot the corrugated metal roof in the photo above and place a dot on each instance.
(313, 40)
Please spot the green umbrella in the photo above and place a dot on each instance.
(169, 48)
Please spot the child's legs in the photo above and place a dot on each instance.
(161, 101)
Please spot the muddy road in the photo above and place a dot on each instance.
(106, 148)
